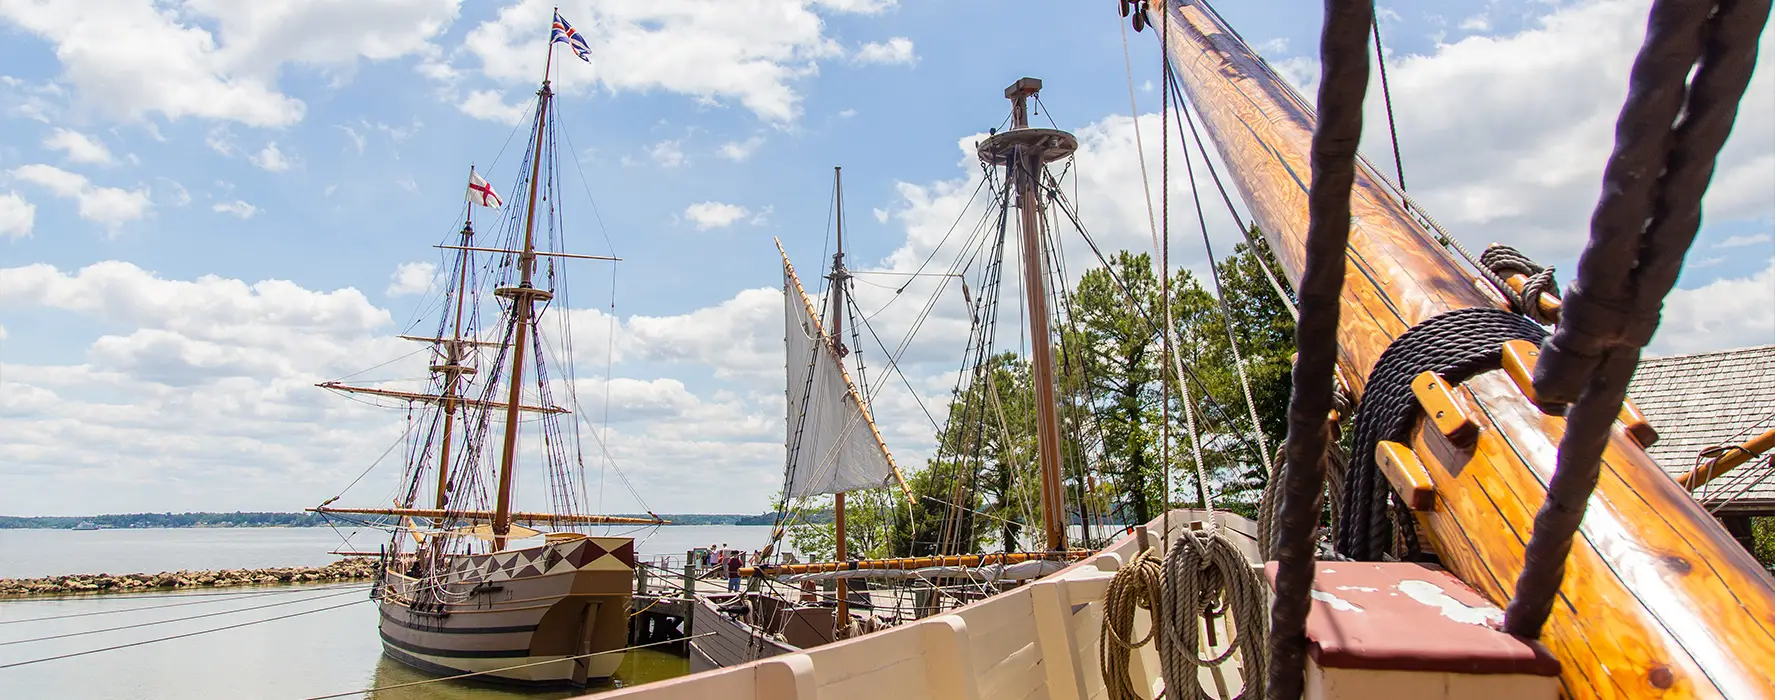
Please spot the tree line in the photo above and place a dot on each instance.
(981, 489)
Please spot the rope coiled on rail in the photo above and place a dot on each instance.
(1204, 572)
(1503, 261)
(1139, 584)
(1457, 345)
(1667, 140)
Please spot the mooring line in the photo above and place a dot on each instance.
(180, 636)
(175, 619)
(410, 684)
(235, 596)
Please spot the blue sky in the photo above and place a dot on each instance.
(242, 184)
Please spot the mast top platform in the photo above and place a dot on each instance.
(1022, 141)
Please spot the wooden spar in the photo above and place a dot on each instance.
(1659, 599)
(520, 517)
(905, 563)
(435, 398)
(1730, 459)
(453, 365)
(537, 253)
(466, 342)
(842, 615)
(1025, 162)
(849, 385)
(522, 298)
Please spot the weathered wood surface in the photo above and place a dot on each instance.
(1658, 600)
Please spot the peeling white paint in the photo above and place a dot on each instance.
(1335, 602)
(1432, 595)
(1364, 589)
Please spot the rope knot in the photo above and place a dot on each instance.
(1504, 261)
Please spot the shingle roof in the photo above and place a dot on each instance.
(1717, 398)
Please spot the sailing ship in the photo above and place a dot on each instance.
(464, 586)
(1657, 599)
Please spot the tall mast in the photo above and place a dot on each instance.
(839, 276)
(522, 297)
(1025, 151)
(453, 369)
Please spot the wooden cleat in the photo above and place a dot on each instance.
(1407, 475)
(1438, 400)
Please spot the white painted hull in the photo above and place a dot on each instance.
(1034, 641)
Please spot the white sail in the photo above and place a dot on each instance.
(832, 443)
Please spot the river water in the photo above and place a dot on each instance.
(327, 645)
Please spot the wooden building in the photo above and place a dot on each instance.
(1708, 401)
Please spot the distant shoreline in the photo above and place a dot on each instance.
(206, 520)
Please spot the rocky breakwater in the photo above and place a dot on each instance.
(354, 569)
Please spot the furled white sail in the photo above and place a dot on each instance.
(832, 443)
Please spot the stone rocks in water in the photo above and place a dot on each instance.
(351, 569)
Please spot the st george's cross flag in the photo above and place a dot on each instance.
(564, 33)
(481, 192)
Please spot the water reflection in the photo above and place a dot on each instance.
(638, 666)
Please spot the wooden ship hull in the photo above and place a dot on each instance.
(720, 639)
(534, 612)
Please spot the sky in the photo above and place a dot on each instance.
(207, 207)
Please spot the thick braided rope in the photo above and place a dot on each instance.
(1137, 585)
(1457, 345)
(1202, 570)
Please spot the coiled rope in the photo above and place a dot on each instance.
(1205, 570)
(1138, 585)
(1503, 261)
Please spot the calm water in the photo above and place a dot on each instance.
(307, 655)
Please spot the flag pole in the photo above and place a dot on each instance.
(549, 62)
(469, 222)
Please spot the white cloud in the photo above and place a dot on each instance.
(846, 113)
(1740, 241)
(739, 151)
(219, 59)
(1477, 23)
(271, 158)
(734, 337)
(237, 208)
(78, 148)
(411, 278)
(881, 215)
(708, 215)
(176, 194)
(1726, 313)
(16, 216)
(109, 206)
(1505, 137)
(220, 140)
(753, 53)
(352, 135)
(668, 154)
(488, 105)
(897, 50)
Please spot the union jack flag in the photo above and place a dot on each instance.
(565, 33)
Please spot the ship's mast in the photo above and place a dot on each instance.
(453, 369)
(839, 277)
(522, 296)
(1026, 151)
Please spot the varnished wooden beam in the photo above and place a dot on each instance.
(1731, 458)
(1406, 473)
(1437, 399)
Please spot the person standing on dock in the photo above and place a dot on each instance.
(733, 571)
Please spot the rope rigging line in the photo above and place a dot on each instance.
(1380, 61)
(59, 657)
(1343, 83)
(1226, 310)
(1667, 140)
(151, 623)
(220, 598)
